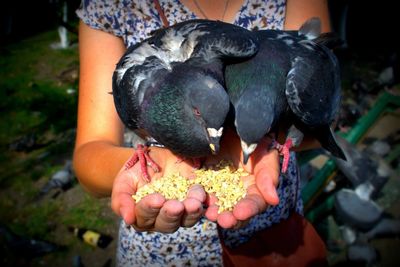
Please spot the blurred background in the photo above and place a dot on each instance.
(355, 206)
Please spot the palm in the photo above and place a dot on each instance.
(154, 212)
(263, 168)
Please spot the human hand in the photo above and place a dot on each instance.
(154, 212)
(263, 167)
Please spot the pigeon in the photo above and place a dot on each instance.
(293, 78)
(313, 94)
(62, 179)
(362, 167)
(255, 88)
(170, 87)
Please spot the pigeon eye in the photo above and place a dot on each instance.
(196, 112)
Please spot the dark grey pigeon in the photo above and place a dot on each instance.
(170, 87)
(292, 78)
(313, 93)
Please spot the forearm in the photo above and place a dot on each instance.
(97, 163)
(98, 156)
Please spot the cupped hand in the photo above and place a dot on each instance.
(263, 167)
(154, 212)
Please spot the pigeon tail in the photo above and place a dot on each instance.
(311, 29)
(328, 141)
(330, 40)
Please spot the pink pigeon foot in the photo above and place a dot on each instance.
(142, 155)
(283, 151)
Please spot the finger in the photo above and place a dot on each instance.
(211, 200)
(249, 206)
(266, 182)
(193, 212)
(169, 218)
(193, 205)
(226, 220)
(212, 213)
(122, 202)
(212, 207)
(147, 210)
(127, 209)
(197, 192)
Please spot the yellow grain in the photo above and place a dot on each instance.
(224, 182)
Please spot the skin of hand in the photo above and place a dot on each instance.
(154, 212)
(263, 167)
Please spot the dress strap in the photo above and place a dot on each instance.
(161, 13)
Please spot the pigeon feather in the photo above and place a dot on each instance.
(171, 85)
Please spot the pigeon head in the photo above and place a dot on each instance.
(187, 112)
(254, 118)
(208, 105)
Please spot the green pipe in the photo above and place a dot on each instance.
(365, 122)
(312, 188)
(323, 208)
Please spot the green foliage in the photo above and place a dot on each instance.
(36, 102)
(36, 220)
(86, 214)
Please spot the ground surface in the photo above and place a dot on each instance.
(38, 117)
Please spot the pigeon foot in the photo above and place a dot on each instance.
(284, 151)
(142, 155)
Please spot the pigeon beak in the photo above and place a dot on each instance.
(245, 157)
(214, 148)
(247, 150)
(214, 137)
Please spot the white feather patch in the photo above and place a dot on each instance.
(212, 132)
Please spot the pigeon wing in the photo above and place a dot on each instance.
(130, 88)
(313, 85)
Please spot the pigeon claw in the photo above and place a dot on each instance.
(142, 155)
(284, 151)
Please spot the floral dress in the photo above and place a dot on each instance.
(199, 245)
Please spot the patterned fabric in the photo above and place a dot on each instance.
(198, 245)
(135, 20)
(195, 246)
(288, 191)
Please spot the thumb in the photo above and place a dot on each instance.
(122, 203)
(266, 184)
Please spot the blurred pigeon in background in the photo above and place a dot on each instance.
(62, 179)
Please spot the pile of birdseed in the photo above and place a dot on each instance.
(223, 181)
